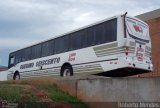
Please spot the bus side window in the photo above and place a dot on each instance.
(26, 54)
(18, 57)
(48, 48)
(36, 51)
(110, 28)
(90, 36)
(99, 34)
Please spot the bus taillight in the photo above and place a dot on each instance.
(126, 51)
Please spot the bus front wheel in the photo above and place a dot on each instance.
(67, 71)
(16, 76)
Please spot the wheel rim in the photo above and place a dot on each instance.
(16, 77)
(66, 72)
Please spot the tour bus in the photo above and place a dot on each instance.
(119, 45)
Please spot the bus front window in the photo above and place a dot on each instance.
(11, 61)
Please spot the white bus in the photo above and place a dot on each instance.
(119, 46)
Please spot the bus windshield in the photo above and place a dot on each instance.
(137, 29)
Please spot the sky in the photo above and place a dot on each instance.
(25, 22)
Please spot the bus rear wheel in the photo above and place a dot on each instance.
(67, 71)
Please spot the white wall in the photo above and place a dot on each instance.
(3, 75)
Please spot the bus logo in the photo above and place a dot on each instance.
(72, 57)
(138, 28)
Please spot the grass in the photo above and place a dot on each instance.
(58, 95)
(16, 92)
(11, 94)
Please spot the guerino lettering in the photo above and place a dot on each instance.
(29, 65)
(48, 62)
(41, 63)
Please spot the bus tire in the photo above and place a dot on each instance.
(66, 71)
(16, 76)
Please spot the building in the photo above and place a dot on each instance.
(3, 68)
(3, 73)
(153, 20)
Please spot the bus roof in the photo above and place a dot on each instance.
(63, 34)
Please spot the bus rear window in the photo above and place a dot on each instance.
(137, 29)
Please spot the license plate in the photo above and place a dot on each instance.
(140, 53)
